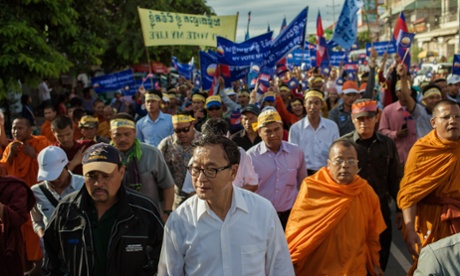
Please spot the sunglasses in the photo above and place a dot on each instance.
(184, 129)
(213, 108)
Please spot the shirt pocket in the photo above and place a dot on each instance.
(253, 259)
(134, 250)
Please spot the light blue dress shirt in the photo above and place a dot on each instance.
(150, 132)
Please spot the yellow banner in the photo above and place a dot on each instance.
(168, 28)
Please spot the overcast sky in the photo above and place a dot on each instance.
(264, 12)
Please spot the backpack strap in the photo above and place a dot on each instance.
(48, 194)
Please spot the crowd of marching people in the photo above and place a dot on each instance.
(299, 180)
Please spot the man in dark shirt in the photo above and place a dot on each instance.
(62, 128)
(379, 165)
(247, 137)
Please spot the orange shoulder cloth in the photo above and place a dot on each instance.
(431, 164)
(319, 207)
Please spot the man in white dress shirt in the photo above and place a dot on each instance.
(314, 134)
(222, 230)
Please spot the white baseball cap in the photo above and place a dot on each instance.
(453, 79)
(51, 161)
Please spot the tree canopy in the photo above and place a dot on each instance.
(41, 39)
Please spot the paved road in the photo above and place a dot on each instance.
(400, 260)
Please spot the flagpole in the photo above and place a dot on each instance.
(368, 27)
(150, 66)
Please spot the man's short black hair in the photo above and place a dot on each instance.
(216, 126)
(230, 149)
(343, 143)
(78, 113)
(156, 92)
(61, 122)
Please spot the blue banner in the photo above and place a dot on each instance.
(208, 66)
(403, 45)
(345, 32)
(293, 35)
(112, 82)
(381, 47)
(242, 54)
(337, 57)
(148, 85)
(297, 56)
(184, 69)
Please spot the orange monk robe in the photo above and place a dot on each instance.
(26, 168)
(46, 131)
(432, 167)
(334, 229)
(103, 129)
(76, 132)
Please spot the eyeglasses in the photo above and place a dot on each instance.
(209, 173)
(338, 162)
(213, 108)
(447, 117)
(184, 129)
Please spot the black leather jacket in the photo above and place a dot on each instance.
(134, 245)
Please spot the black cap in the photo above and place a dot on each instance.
(251, 108)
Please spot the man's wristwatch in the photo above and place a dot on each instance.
(167, 212)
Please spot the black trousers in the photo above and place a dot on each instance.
(385, 244)
(284, 216)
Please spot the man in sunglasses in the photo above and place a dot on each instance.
(222, 230)
(177, 150)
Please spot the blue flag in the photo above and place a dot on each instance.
(208, 65)
(403, 45)
(185, 69)
(236, 73)
(242, 54)
(112, 82)
(456, 65)
(381, 47)
(293, 35)
(345, 32)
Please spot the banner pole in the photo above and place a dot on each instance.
(150, 65)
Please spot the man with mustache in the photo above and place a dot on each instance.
(146, 169)
(379, 165)
(104, 229)
(335, 222)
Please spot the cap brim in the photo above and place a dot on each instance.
(105, 167)
(49, 176)
(211, 104)
(89, 125)
(369, 114)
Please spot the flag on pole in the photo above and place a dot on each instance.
(322, 56)
(268, 28)
(400, 26)
(247, 30)
(283, 24)
(346, 29)
(403, 45)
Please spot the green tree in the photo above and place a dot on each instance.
(42, 39)
(362, 39)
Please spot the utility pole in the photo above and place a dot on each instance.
(333, 6)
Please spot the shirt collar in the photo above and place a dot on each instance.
(238, 202)
(72, 183)
(321, 122)
(161, 116)
(356, 136)
(398, 105)
(264, 149)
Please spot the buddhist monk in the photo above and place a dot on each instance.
(20, 160)
(50, 115)
(429, 194)
(336, 221)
